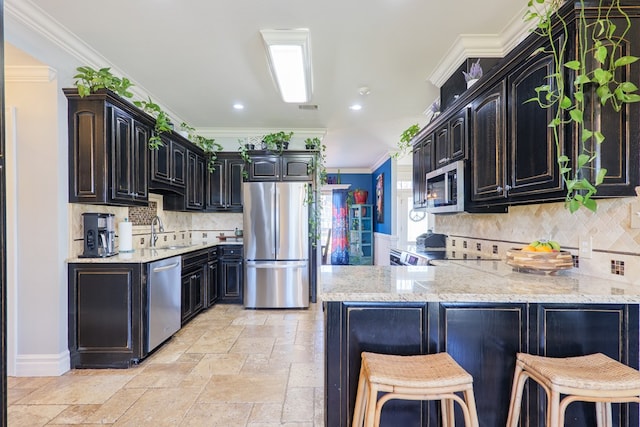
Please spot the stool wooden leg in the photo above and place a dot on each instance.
(361, 399)
(448, 414)
(519, 379)
(471, 406)
(603, 414)
(372, 399)
(555, 415)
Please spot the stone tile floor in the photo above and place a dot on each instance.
(227, 367)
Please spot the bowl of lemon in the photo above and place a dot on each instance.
(540, 256)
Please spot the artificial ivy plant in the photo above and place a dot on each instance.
(404, 146)
(89, 80)
(595, 71)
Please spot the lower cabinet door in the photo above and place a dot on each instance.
(574, 330)
(484, 340)
(386, 330)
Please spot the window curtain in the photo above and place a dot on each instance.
(339, 228)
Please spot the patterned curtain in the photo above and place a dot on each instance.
(339, 229)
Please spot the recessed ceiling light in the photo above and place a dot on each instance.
(238, 106)
(364, 90)
(356, 107)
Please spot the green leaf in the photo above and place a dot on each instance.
(579, 96)
(574, 205)
(576, 115)
(586, 134)
(628, 87)
(583, 159)
(565, 170)
(565, 103)
(581, 79)
(573, 65)
(590, 204)
(632, 98)
(625, 60)
(599, 137)
(600, 176)
(563, 158)
(601, 54)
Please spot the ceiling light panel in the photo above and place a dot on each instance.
(289, 55)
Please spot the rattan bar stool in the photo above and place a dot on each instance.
(425, 377)
(591, 378)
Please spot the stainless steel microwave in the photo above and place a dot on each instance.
(445, 189)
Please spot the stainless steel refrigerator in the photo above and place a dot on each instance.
(276, 245)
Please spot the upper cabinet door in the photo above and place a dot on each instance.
(297, 167)
(264, 168)
(532, 154)
(129, 158)
(488, 112)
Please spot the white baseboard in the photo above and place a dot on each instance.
(42, 365)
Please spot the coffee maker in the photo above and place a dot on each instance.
(99, 235)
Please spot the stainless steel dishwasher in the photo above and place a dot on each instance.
(164, 300)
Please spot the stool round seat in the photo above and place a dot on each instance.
(591, 378)
(423, 377)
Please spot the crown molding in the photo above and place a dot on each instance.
(29, 73)
(31, 18)
(480, 46)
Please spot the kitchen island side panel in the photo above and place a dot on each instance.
(484, 339)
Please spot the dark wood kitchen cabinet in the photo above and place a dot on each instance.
(192, 199)
(488, 144)
(196, 172)
(194, 270)
(564, 330)
(382, 328)
(288, 166)
(168, 166)
(514, 160)
(451, 140)
(484, 339)
(231, 274)
(212, 291)
(422, 164)
(224, 184)
(106, 314)
(532, 170)
(108, 150)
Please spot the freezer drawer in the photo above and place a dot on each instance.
(276, 284)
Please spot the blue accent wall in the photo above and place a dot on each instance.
(385, 171)
(360, 181)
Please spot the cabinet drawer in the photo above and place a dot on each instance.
(194, 259)
(230, 251)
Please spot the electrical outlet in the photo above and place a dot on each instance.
(585, 246)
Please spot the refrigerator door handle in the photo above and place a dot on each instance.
(276, 226)
(277, 265)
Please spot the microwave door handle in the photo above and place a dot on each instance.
(446, 188)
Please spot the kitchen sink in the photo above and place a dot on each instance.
(173, 247)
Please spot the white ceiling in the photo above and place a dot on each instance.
(199, 57)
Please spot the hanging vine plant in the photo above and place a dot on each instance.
(596, 71)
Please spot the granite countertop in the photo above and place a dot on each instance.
(467, 281)
(151, 254)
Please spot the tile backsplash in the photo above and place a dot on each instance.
(614, 242)
(179, 227)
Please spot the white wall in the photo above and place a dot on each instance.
(41, 225)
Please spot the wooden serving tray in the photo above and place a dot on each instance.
(539, 262)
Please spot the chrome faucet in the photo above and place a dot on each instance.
(154, 235)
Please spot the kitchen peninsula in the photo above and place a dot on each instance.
(482, 313)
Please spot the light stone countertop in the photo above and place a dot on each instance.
(149, 254)
(467, 281)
